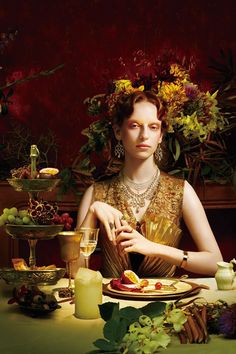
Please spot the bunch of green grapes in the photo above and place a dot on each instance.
(148, 335)
(145, 336)
(15, 216)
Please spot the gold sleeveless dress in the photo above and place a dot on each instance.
(160, 224)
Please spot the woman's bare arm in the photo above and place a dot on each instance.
(203, 261)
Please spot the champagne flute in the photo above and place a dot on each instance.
(88, 242)
(70, 251)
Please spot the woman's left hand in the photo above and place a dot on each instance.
(130, 240)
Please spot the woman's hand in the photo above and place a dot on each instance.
(108, 216)
(130, 240)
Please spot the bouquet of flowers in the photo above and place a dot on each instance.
(194, 145)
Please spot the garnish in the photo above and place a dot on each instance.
(130, 330)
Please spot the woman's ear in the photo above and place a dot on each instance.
(117, 131)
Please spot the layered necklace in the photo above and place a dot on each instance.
(133, 190)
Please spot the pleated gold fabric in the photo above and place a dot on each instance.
(160, 223)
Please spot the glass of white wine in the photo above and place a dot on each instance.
(88, 241)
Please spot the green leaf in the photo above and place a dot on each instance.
(111, 330)
(177, 150)
(130, 313)
(153, 308)
(105, 345)
(120, 327)
(108, 310)
(4, 109)
(10, 92)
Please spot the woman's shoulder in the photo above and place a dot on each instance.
(101, 187)
(172, 180)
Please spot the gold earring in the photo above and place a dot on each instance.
(158, 153)
(119, 150)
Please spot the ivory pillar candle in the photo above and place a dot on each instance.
(88, 293)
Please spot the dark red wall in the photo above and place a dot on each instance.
(88, 36)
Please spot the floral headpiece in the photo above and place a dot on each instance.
(193, 117)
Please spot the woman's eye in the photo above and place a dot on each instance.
(134, 125)
(154, 127)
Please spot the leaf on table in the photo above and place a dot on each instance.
(154, 309)
(108, 310)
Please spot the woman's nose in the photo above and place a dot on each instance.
(144, 133)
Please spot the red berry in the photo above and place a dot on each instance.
(158, 285)
(65, 215)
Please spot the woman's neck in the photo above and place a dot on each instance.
(139, 170)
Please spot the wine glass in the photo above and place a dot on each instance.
(70, 251)
(88, 241)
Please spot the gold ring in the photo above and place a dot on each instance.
(111, 225)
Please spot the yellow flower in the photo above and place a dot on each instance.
(179, 72)
(126, 85)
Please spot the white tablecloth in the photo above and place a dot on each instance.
(62, 333)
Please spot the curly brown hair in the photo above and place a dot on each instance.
(125, 106)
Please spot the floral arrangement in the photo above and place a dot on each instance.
(194, 145)
(145, 330)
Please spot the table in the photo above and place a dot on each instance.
(62, 333)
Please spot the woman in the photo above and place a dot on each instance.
(140, 210)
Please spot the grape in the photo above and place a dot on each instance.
(4, 217)
(26, 220)
(6, 211)
(14, 211)
(67, 226)
(2, 222)
(70, 220)
(18, 221)
(22, 213)
(11, 219)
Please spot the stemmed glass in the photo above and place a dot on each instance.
(70, 251)
(88, 241)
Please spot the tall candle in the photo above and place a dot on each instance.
(88, 293)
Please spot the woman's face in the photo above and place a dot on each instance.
(141, 132)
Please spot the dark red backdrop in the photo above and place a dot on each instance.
(88, 36)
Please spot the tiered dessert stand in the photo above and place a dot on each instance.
(33, 233)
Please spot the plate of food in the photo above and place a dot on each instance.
(130, 286)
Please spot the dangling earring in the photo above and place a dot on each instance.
(119, 150)
(158, 153)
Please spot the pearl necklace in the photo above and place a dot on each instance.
(137, 199)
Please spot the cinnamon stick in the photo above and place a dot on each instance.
(188, 330)
(198, 330)
(201, 324)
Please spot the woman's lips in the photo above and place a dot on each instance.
(143, 146)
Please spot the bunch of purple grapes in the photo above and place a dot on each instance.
(63, 219)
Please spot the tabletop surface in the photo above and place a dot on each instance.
(62, 333)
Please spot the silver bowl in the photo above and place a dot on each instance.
(33, 232)
(33, 185)
(32, 277)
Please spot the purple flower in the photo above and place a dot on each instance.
(227, 322)
(191, 91)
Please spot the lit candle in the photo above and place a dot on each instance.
(88, 293)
